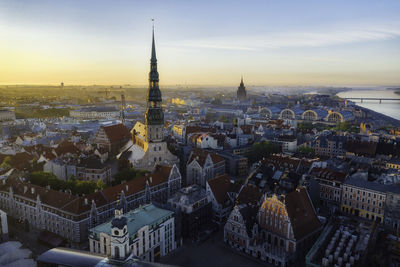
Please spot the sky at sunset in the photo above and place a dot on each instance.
(201, 42)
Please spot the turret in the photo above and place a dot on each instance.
(119, 236)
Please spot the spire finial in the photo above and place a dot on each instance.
(153, 49)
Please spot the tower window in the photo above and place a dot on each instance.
(155, 159)
(159, 158)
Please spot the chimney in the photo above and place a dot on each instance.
(25, 188)
(151, 179)
(86, 201)
(32, 190)
(126, 188)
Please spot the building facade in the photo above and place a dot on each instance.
(203, 166)
(195, 209)
(147, 232)
(112, 138)
(281, 231)
(6, 115)
(364, 199)
(71, 216)
(329, 187)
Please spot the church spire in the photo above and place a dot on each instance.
(154, 114)
(153, 47)
(241, 92)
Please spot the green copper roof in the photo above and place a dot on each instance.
(136, 219)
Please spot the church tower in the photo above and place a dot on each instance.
(148, 146)
(154, 118)
(241, 92)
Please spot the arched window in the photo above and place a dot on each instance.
(116, 250)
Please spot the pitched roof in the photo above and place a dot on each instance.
(301, 213)
(66, 147)
(278, 160)
(247, 129)
(329, 174)
(361, 148)
(194, 129)
(220, 187)
(78, 205)
(200, 155)
(249, 194)
(49, 197)
(117, 132)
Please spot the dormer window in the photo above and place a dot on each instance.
(116, 232)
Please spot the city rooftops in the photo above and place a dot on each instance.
(136, 219)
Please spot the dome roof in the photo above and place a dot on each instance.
(118, 222)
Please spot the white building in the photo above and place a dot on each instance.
(95, 113)
(147, 232)
(6, 115)
(3, 226)
(61, 168)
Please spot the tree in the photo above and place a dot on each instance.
(75, 186)
(100, 184)
(127, 175)
(261, 150)
(6, 164)
(306, 150)
(216, 101)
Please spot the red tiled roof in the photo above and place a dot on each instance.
(247, 129)
(76, 205)
(117, 132)
(328, 174)
(278, 160)
(66, 147)
(194, 129)
(249, 195)
(301, 213)
(220, 187)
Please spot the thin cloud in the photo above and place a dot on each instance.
(293, 39)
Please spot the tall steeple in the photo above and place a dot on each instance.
(153, 49)
(241, 92)
(154, 113)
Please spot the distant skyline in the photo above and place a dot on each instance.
(201, 42)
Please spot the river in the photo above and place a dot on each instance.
(387, 107)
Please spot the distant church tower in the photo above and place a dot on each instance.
(241, 92)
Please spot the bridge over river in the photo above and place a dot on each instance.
(372, 98)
